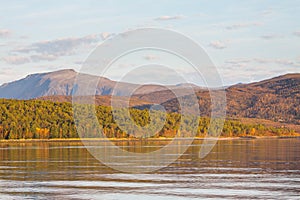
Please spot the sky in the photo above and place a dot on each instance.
(247, 40)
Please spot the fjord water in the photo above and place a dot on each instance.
(234, 169)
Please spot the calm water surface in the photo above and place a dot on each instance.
(235, 169)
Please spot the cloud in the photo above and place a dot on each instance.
(201, 15)
(20, 59)
(5, 33)
(50, 50)
(270, 37)
(255, 69)
(267, 12)
(24, 37)
(167, 17)
(37, 58)
(248, 62)
(238, 61)
(276, 61)
(218, 44)
(16, 60)
(8, 74)
(59, 47)
(243, 25)
(6, 71)
(106, 35)
(125, 65)
(151, 57)
(297, 33)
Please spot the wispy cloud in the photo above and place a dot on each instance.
(243, 25)
(6, 71)
(238, 63)
(7, 74)
(151, 57)
(106, 35)
(244, 62)
(297, 33)
(20, 59)
(16, 60)
(276, 61)
(59, 47)
(37, 58)
(271, 36)
(267, 12)
(167, 17)
(50, 50)
(5, 32)
(218, 44)
(255, 69)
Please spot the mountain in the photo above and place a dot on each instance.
(276, 99)
(42, 84)
(62, 83)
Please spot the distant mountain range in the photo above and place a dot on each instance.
(276, 99)
(62, 83)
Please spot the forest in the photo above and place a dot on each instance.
(37, 119)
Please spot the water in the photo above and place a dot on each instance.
(235, 169)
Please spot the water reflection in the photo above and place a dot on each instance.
(234, 169)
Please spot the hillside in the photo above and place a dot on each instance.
(276, 99)
(99, 100)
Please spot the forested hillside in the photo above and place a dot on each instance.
(25, 119)
(99, 100)
(276, 99)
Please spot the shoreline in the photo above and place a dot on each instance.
(147, 139)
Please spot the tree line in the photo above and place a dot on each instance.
(36, 119)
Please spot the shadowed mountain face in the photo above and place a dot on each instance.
(36, 85)
(62, 83)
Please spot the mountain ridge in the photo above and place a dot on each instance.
(61, 82)
(276, 99)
